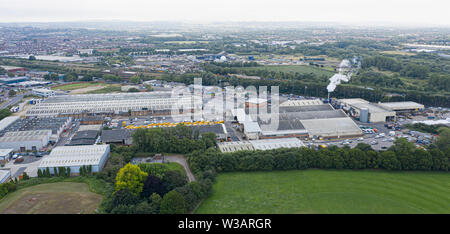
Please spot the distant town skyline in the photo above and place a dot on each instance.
(401, 12)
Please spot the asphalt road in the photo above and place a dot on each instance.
(16, 99)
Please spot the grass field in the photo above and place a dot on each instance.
(106, 89)
(51, 198)
(69, 87)
(321, 191)
(294, 68)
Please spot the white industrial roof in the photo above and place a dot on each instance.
(302, 102)
(250, 127)
(101, 103)
(43, 90)
(4, 123)
(264, 144)
(267, 144)
(401, 105)
(95, 127)
(235, 146)
(75, 156)
(331, 127)
(4, 152)
(32, 135)
(352, 101)
(372, 108)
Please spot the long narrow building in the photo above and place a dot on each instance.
(114, 104)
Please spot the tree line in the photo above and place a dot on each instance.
(403, 155)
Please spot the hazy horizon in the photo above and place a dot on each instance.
(350, 12)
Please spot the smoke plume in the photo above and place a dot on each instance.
(345, 71)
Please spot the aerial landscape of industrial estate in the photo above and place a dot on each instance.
(170, 118)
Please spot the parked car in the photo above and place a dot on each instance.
(19, 159)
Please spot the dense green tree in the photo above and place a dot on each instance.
(173, 203)
(173, 179)
(130, 177)
(153, 184)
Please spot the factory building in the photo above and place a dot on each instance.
(366, 111)
(75, 157)
(13, 69)
(301, 103)
(5, 155)
(26, 140)
(5, 175)
(13, 80)
(218, 129)
(117, 136)
(300, 119)
(144, 103)
(402, 106)
(88, 137)
(43, 92)
(264, 144)
(251, 130)
(56, 124)
(4, 123)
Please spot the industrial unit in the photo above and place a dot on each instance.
(26, 140)
(117, 136)
(144, 103)
(265, 144)
(402, 106)
(75, 157)
(43, 92)
(300, 119)
(4, 123)
(366, 111)
(5, 155)
(56, 124)
(88, 137)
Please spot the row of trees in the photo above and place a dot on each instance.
(403, 155)
(4, 113)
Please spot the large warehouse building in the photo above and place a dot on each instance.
(154, 103)
(265, 144)
(55, 124)
(402, 106)
(75, 157)
(302, 119)
(25, 140)
(366, 111)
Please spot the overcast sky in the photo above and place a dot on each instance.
(413, 12)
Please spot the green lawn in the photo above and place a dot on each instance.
(294, 68)
(173, 166)
(69, 87)
(107, 89)
(51, 198)
(322, 191)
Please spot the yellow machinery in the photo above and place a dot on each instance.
(167, 124)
